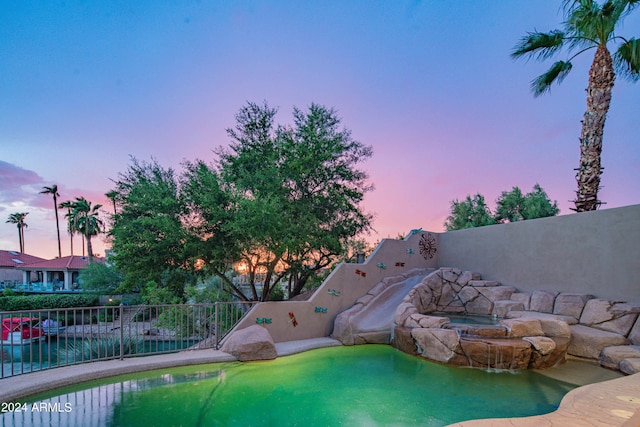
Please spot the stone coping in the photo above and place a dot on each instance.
(610, 403)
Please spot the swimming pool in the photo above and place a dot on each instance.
(372, 385)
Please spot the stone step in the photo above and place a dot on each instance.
(588, 342)
(610, 357)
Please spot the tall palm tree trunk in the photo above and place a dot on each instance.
(601, 80)
(55, 205)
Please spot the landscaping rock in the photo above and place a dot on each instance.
(569, 304)
(543, 301)
(424, 321)
(403, 312)
(502, 307)
(634, 335)
(610, 316)
(541, 316)
(342, 330)
(252, 343)
(542, 345)
(484, 283)
(492, 353)
(610, 357)
(630, 366)
(518, 328)
(436, 344)
(589, 342)
(523, 298)
(550, 359)
(403, 341)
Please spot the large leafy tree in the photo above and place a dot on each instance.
(148, 237)
(18, 219)
(469, 213)
(53, 190)
(281, 200)
(101, 277)
(588, 25)
(514, 206)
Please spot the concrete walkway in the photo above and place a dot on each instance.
(605, 404)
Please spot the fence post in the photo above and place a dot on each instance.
(215, 323)
(121, 332)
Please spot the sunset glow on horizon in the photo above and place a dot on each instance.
(429, 85)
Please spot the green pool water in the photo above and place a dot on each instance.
(367, 385)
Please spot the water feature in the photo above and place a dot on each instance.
(372, 385)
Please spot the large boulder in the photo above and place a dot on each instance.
(588, 342)
(546, 355)
(610, 357)
(570, 320)
(251, 343)
(518, 328)
(610, 316)
(634, 335)
(570, 304)
(502, 307)
(543, 301)
(630, 366)
(436, 344)
(492, 353)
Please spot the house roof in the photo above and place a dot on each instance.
(16, 259)
(72, 262)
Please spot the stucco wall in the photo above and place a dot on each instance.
(590, 252)
(348, 284)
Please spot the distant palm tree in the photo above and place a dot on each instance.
(18, 219)
(70, 227)
(85, 220)
(587, 26)
(113, 196)
(53, 190)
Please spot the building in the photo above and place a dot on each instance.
(59, 274)
(10, 275)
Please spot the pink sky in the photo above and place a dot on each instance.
(429, 85)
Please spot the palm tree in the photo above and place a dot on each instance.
(588, 25)
(53, 190)
(86, 221)
(113, 196)
(70, 227)
(18, 219)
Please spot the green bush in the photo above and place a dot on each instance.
(46, 302)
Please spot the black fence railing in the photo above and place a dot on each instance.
(35, 340)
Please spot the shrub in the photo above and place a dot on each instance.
(46, 302)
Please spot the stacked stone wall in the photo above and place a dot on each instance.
(535, 330)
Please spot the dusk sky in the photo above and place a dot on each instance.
(428, 84)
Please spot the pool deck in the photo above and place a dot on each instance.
(610, 403)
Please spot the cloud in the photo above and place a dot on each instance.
(20, 188)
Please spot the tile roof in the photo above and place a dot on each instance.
(66, 262)
(8, 259)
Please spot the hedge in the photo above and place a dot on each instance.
(46, 302)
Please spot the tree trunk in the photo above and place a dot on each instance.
(601, 80)
(55, 207)
(89, 248)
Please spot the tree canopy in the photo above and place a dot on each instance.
(280, 202)
(510, 206)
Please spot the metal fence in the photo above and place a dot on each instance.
(36, 340)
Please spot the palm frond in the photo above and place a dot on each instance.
(539, 45)
(556, 73)
(627, 60)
